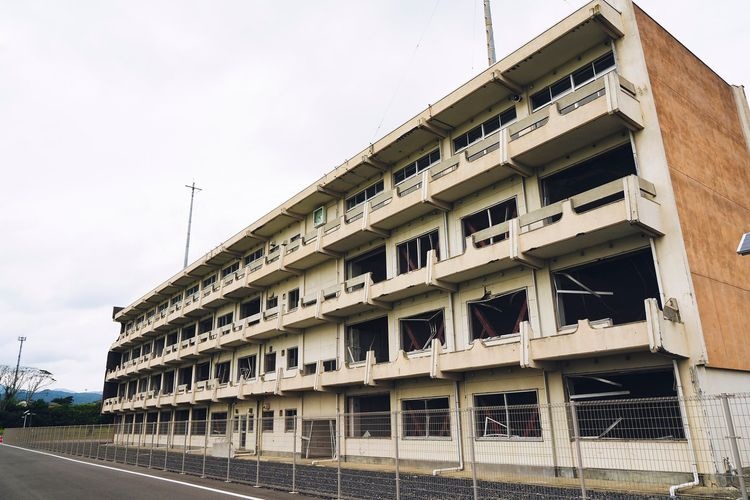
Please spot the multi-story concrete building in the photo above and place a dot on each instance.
(560, 228)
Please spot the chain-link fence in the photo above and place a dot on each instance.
(622, 449)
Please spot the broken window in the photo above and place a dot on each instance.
(206, 325)
(269, 362)
(292, 358)
(597, 171)
(364, 195)
(495, 316)
(271, 302)
(292, 299)
(159, 346)
(219, 423)
(329, 365)
(370, 262)
(426, 418)
(136, 352)
(507, 415)
(186, 377)
(132, 388)
(246, 367)
(225, 319)
(412, 254)
(199, 421)
(155, 383)
(481, 131)
(369, 416)
(230, 269)
(309, 368)
(368, 336)
(630, 405)
(202, 371)
(143, 385)
(572, 81)
(611, 289)
(416, 167)
(418, 332)
(491, 216)
(168, 386)
(250, 308)
(290, 418)
(267, 421)
(222, 372)
(188, 332)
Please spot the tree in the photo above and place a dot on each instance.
(27, 379)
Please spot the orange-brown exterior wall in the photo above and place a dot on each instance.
(709, 165)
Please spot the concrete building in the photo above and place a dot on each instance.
(560, 228)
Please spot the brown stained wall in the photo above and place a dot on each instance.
(709, 165)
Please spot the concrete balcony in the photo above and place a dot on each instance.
(238, 285)
(171, 354)
(210, 342)
(270, 269)
(596, 110)
(191, 306)
(213, 297)
(540, 236)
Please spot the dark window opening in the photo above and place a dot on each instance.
(426, 418)
(496, 316)
(188, 332)
(186, 377)
(159, 345)
(292, 299)
(416, 167)
(181, 418)
(271, 302)
(366, 194)
(309, 368)
(370, 262)
(222, 372)
(269, 362)
(369, 416)
(418, 332)
(634, 405)
(219, 423)
(329, 365)
(132, 388)
(292, 358)
(209, 281)
(252, 257)
(606, 167)
(412, 254)
(507, 415)
(176, 299)
(172, 338)
(225, 319)
(143, 385)
(267, 423)
(192, 290)
(151, 419)
(246, 367)
(202, 371)
(168, 385)
(138, 423)
(206, 325)
(608, 289)
(146, 349)
(155, 383)
(491, 216)
(136, 353)
(199, 421)
(481, 131)
(230, 269)
(250, 308)
(368, 336)
(165, 416)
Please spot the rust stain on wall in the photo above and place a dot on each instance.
(709, 166)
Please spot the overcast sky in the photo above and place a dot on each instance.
(108, 108)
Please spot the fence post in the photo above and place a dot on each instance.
(338, 454)
(472, 453)
(733, 437)
(294, 455)
(138, 444)
(229, 445)
(205, 445)
(170, 440)
(154, 428)
(184, 445)
(258, 439)
(78, 439)
(394, 419)
(579, 455)
(126, 438)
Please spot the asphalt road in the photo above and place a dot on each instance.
(31, 475)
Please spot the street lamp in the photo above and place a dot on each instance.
(28, 414)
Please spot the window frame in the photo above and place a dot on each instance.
(478, 413)
(406, 432)
(350, 202)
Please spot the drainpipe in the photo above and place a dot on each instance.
(459, 440)
(680, 397)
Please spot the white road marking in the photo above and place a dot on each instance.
(206, 488)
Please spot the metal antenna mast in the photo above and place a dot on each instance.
(491, 59)
(18, 363)
(193, 189)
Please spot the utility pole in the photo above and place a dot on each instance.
(491, 58)
(18, 363)
(193, 189)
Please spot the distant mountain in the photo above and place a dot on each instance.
(78, 397)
